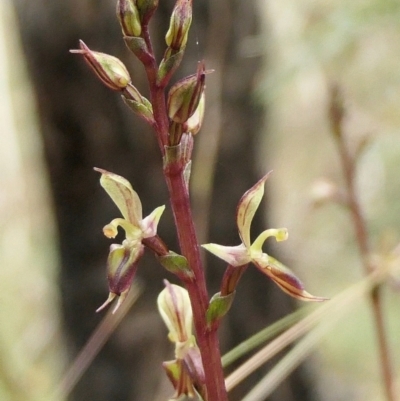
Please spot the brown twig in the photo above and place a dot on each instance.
(361, 234)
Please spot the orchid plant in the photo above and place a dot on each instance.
(176, 116)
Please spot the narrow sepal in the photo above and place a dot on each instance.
(247, 207)
(286, 280)
(234, 255)
(111, 297)
(121, 192)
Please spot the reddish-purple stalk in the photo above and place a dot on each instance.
(179, 197)
(361, 232)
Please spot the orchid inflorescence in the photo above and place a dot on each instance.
(176, 117)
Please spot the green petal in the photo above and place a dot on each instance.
(121, 192)
(247, 207)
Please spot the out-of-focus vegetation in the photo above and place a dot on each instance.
(309, 44)
(31, 354)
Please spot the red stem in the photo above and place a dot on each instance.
(207, 339)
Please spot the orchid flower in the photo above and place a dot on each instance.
(123, 258)
(186, 371)
(248, 252)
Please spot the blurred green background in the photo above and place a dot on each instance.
(312, 45)
(31, 345)
(308, 44)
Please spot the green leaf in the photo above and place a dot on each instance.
(143, 109)
(138, 47)
(218, 307)
(167, 67)
(176, 264)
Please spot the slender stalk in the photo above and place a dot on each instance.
(361, 233)
(179, 196)
(207, 339)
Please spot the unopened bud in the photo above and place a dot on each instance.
(146, 9)
(184, 96)
(128, 16)
(179, 25)
(110, 70)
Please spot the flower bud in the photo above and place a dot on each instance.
(179, 25)
(184, 96)
(110, 70)
(128, 16)
(146, 9)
